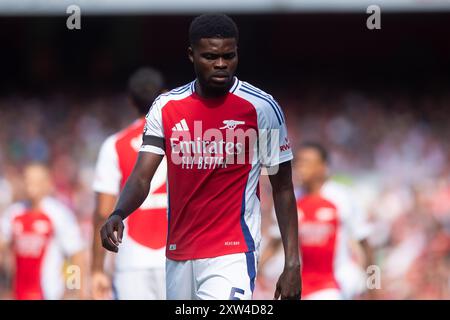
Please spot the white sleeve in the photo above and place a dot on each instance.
(107, 172)
(6, 221)
(67, 230)
(274, 145)
(358, 225)
(153, 138)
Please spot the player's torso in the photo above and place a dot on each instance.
(209, 161)
(319, 224)
(32, 234)
(146, 229)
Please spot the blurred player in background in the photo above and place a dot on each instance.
(40, 233)
(214, 208)
(139, 266)
(330, 222)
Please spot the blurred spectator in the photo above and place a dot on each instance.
(35, 237)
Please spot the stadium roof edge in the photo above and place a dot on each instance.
(140, 7)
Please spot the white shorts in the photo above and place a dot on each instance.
(325, 294)
(145, 284)
(229, 277)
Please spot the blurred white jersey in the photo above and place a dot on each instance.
(144, 239)
(41, 239)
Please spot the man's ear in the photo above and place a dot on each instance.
(191, 54)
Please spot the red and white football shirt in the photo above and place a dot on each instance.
(40, 239)
(213, 173)
(144, 240)
(326, 223)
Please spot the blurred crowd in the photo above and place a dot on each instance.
(393, 149)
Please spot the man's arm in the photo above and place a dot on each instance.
(289, 283)
(367, 251)
(79, 259)
(101, 283)
(4, 254)
(104, 206)
(132, 196)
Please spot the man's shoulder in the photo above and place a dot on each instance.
(55, 209)
(260, 99)
(14, 210)
(178, 93)
(334, 187)
(130, 131)
(109, 143)
(338, 193)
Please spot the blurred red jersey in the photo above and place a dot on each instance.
(327, 222)
(318, 222)
(41, 239)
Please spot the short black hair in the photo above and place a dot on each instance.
(323, 153)
(144, 85)
(212, 26)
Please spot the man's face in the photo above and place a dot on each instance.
(309, 166)
(37, 182)
(215, 61)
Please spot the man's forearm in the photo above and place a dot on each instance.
(368, 253)
(98, 256)
(286, 212)
(78, 259)
(133, 195)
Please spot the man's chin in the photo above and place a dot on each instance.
(220, 85)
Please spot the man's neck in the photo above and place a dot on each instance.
(35, 204)
(316, 186)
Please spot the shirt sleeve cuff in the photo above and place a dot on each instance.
(152, 149)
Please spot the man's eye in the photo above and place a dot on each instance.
(210, 56)
(229, 56)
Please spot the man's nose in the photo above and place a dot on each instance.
(220, 64)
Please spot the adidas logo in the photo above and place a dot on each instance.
(181, 126)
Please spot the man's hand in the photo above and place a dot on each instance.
(289, 285)
(101, 286)
(109, 239)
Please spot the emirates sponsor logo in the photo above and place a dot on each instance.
(236, 142)
(30, 244)
(315, 233)
(325, 214)
(41, 226)
(210, 149)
